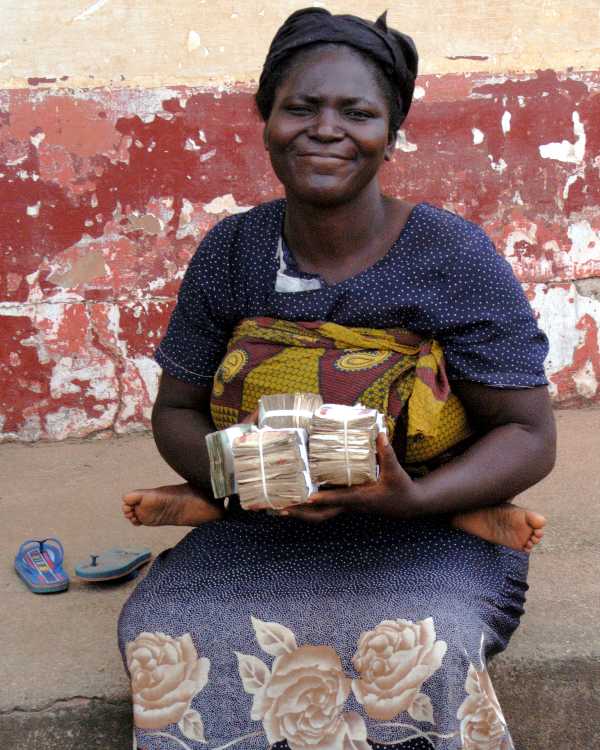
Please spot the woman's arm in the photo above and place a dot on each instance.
(516, 449)
(180, 422)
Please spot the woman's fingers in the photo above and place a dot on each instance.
(312, 514)
(388, 461)
(344, 496)
(251, 418)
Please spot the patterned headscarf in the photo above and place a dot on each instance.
(394, 52)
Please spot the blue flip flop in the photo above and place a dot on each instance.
(39, 564)
(112, 564)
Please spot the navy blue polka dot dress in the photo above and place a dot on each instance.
(442, 278)
(361, 632)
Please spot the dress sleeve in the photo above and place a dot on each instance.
(198, 331)
(490, 334)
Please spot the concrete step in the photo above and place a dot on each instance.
(64, 687)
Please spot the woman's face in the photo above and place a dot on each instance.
(328, 132)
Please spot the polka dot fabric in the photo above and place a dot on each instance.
(442, 278)
(327, 584)
(361, 632)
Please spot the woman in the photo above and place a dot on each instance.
(371, 626)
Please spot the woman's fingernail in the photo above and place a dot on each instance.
(284, 513)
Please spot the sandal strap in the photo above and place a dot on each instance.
(56, 549)
(27, 546)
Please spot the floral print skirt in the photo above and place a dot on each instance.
(261, 632)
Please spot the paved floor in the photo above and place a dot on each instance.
(63, 684)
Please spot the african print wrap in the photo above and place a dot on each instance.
(395, 371)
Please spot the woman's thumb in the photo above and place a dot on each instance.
(385, 452)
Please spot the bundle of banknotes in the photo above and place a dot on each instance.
(271, 468)
(342, 444)
(220, 456)
(282, 410)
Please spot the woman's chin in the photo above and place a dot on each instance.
(324, 195)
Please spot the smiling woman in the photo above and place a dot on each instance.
(327, 145)
(378, 604)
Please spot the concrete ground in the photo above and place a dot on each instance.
(64, 687)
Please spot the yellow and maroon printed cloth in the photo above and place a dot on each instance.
(395, 371)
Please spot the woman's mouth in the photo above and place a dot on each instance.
(323, 156)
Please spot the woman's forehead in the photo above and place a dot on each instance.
(331, 68)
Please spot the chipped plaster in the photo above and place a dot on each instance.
(90, 274)
(149, 44)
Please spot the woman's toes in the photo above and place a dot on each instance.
(535, 520)
(133, 498)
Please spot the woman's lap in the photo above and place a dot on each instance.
(458, 600)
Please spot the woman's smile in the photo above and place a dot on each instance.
(323, 157)
(323, 164)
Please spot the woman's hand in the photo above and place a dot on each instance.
(394, 494)
(251, 418)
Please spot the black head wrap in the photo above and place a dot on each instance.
(395, 53)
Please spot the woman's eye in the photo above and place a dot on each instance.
(299, 109)
(358, 114)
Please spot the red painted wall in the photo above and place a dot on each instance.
(106, 193)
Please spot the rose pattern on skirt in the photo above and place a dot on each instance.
(482, 723)
(301, 698)
(166, 673)
(393, 661)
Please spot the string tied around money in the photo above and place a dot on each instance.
(346, 454)
(295, 414)
(262, 468)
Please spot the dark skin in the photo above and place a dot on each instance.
(327, 144)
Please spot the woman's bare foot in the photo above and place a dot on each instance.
(171, 505)
(505, 524)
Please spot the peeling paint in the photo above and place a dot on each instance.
(104, 205)
(403, 144)
(37, 139)
(573, 365)
(498, 166)
(193, 40)
(81, 270)
(579, 174)
(565, 150)
(225, 204)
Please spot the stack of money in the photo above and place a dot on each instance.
(271, 468)
(220, 456)
(342, 444)
(282, 410)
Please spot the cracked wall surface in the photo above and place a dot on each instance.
(107, 191)
(210, 42)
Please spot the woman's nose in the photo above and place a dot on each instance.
(327, 126)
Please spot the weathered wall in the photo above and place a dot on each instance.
(127, 129)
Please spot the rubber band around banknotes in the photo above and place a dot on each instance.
(347, 457)
(262, 469)
(297, 414)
